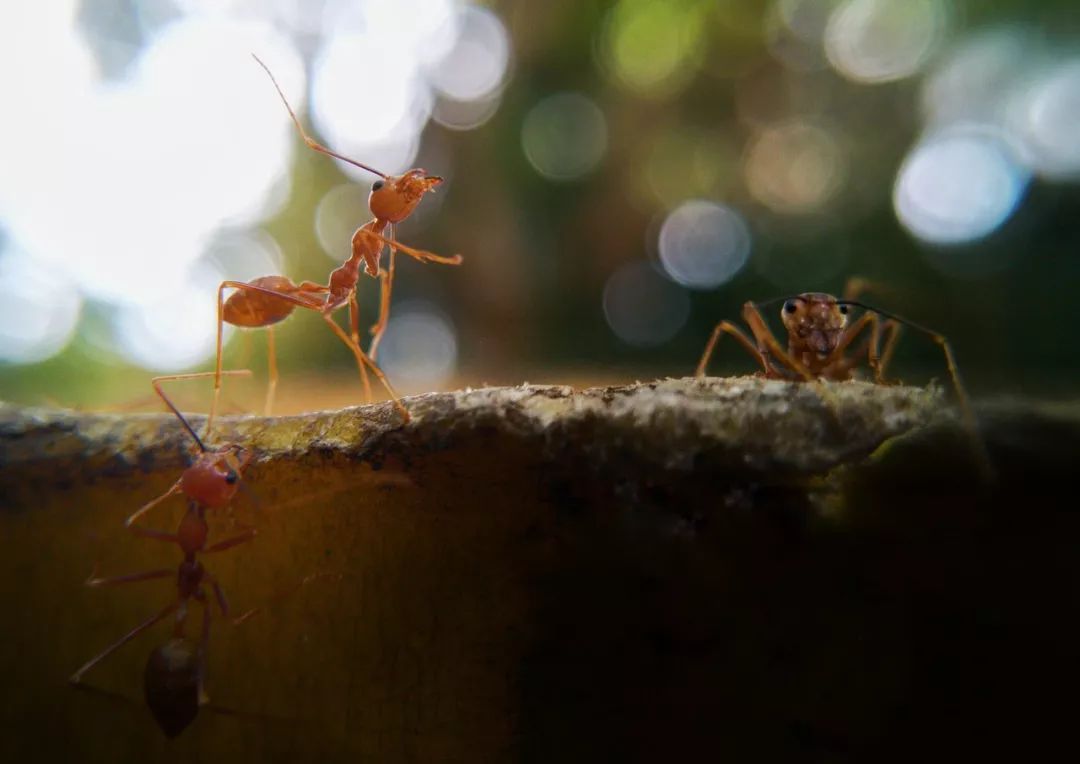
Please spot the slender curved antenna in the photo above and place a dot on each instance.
(961, 393)
(311, 142)
(156, 382)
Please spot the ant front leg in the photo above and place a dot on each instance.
(768, 346)
(248, 614)
(726, 327)
(147, 532)
(77, 676)
(246, 535)
(94, 582)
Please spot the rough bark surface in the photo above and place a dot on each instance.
(747, 425)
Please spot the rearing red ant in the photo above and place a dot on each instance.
(268, 300)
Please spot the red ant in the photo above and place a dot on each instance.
(210, 482)
(265, 301)
(819, 336)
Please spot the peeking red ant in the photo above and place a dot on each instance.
(820, 336)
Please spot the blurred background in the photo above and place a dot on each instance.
(620, 176)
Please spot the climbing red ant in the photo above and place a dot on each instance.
(819, 336)
(265, 301)
(210, 482)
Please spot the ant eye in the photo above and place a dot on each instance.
(231, 477)
(377, 185)
(844, 309)
(789, 306)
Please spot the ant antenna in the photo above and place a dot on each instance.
(950, 361)
(303, 134)
(161, 394)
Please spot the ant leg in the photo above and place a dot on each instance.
(386, 289)
(891, 329)
(272, 372)
(248, 614)
(94, 582)
(146, 532)
(729, 328)
(156, 382)
(77, 676)
(418, 254)
(246, 535)
(767, 344)
(362, 358)
(204, 647)
(306, 287)
(839, 365)
(856, 286)
(354, 326)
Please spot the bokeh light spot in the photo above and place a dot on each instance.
(419, 349)
(339, 213)
(642, 307)
(794, 168)
(958, 186)
(564, 136)
(970, 81)
(1051, 122)
(38, 309)
(883, 40)
(653, 46)
(178, 331)
(703, 244)
(476, 66)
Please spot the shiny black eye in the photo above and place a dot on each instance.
(790, 307)
(844, 309)
(231, 477)
(377, 185)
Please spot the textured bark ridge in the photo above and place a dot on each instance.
(678, 570)
(747, 425)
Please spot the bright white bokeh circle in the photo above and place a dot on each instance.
(703, 244)
(958, 186)
(883, 40)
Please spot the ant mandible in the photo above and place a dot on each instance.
(268, 300)
(819, 336)
(210, 482)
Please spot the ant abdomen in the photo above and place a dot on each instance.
(171, 685)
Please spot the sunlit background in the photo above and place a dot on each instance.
(619, 176)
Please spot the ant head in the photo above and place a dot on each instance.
(814, 322)
(213, 480)
(394, 197)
